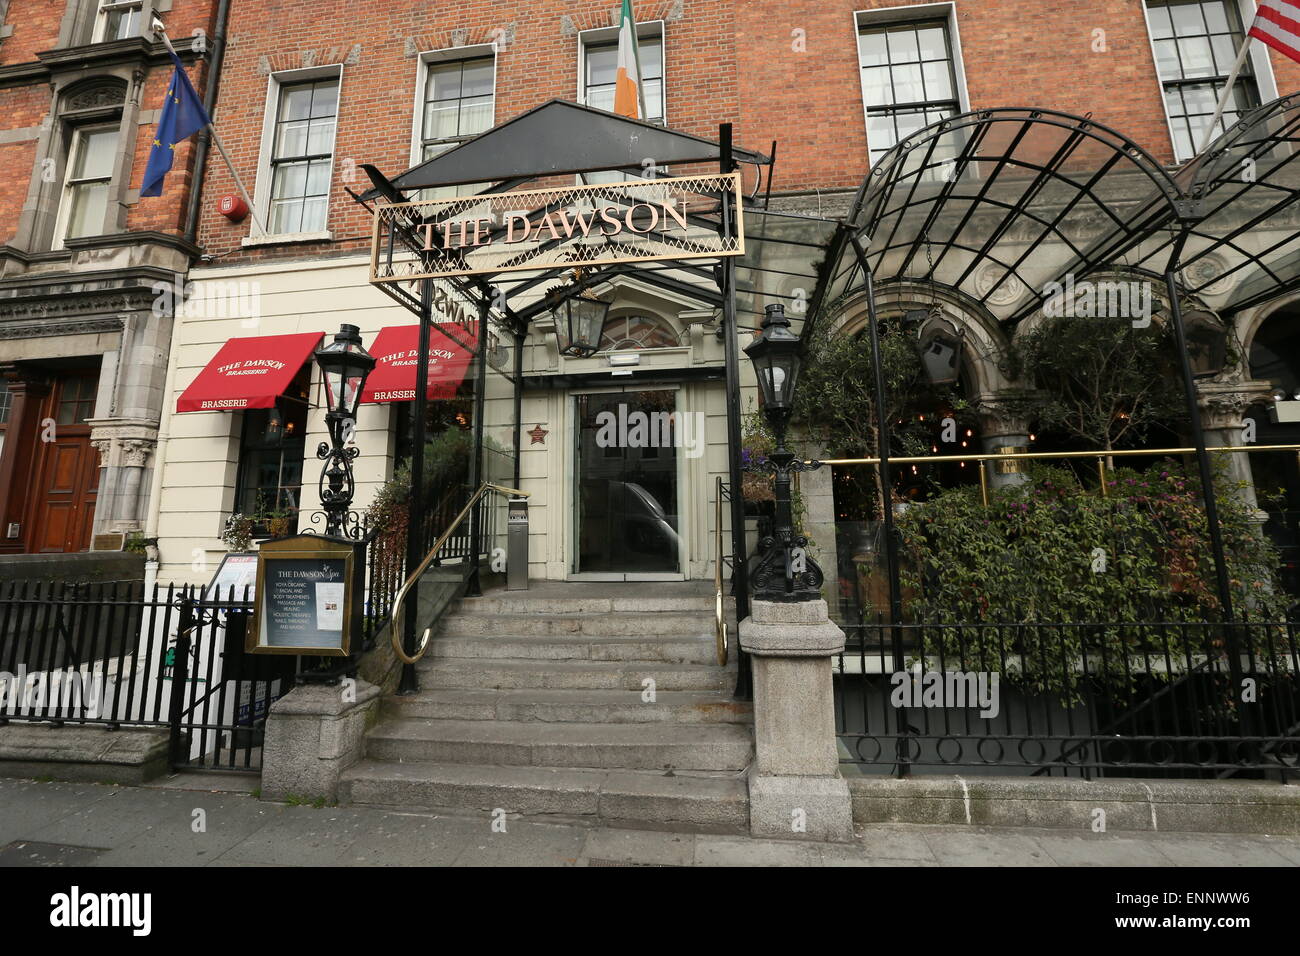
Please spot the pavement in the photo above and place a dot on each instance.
(181, 821)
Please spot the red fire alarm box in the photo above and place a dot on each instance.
(232, 207)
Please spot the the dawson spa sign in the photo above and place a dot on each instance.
(641, 220)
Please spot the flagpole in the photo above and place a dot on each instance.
(1227, 93)
(216, 140)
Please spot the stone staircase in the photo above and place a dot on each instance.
(532, 702)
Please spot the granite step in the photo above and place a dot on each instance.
(660, 746)
(701, 803)
(552, 706)
(591, 675)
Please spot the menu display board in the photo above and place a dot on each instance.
(305, 590)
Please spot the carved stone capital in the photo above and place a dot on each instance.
(1224, 404)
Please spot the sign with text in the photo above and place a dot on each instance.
(308, 588)
(637, 220)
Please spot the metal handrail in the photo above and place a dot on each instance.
(400, 600)
(720, 617)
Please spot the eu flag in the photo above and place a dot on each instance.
(182, 115)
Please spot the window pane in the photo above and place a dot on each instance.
(875, 86)
(907, 84)
(325, 99)
(872, 48)
(1216, 16)
(1161, 28)
(293, 139)
(318, 178)
(320, 138)
(654, 99)
(1196, 57)
(89, 202)
(476, 117)
(286, 215)
(903, 46)
(444, 81)
(602, 65)
(477, 79)
(933, 43)
(440, 121)
(295, 102)
(1167, 59)
(96, 151)
(938, 81)
(652, 58)
(601, 98)
(1187, 19)
(1225, 54)
(313, 215)
(290, 180)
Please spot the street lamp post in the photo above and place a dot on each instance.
(785, 572)
(344, 365)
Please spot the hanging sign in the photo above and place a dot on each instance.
(308, 596)
(637, 220)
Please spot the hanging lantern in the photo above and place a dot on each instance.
(775, 354)
(580, 324)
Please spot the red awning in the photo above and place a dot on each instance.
(249, 373)
(397, 352)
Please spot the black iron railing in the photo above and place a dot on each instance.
(1152, 699)
(116, 655)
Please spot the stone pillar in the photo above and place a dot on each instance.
(1223, 417)
(817, 493)
(795, 787)
(313, 734)
(1003, 428)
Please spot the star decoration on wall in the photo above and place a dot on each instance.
(538, 435)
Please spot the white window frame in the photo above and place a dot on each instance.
(76, 142)
(649, 28)
(1260, 62)
(105, 7)
(882, 16)
(266, 152)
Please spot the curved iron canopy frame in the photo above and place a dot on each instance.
(1172, 227)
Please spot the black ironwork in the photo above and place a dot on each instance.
(117, 655)
(1086, 699)
(344, 365)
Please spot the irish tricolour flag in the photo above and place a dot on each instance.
(629, 99)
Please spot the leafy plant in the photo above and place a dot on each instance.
(1049, 551)
(1100, 380)
(238, 533)
(835, 403)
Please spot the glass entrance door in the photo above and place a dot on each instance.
(628, 525)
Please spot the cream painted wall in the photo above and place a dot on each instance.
(195, 481)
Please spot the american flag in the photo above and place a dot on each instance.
(1278, 25)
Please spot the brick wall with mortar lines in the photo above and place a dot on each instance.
(537, 60)
(26, 107)
(726, 61)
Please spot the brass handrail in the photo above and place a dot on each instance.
(399, 601)
(720, 617)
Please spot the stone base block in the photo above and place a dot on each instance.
(126, 756)
(313, 734)
(800, 808)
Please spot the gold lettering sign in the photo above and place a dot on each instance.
(641, 220)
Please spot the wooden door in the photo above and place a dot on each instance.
(67, 470)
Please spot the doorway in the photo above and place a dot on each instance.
(61, 508)
(628, 487)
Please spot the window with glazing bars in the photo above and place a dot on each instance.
(118, 19)
(908, 80)
(1196, 44)
(302, 156)
(459, 104)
